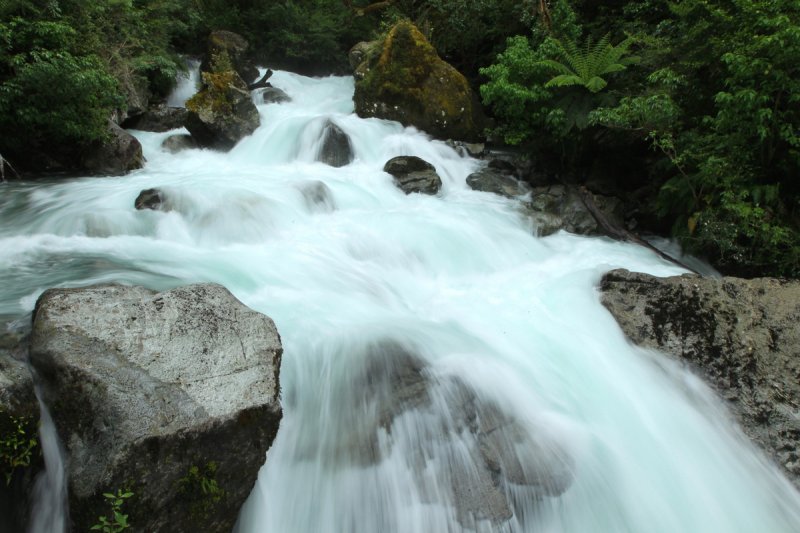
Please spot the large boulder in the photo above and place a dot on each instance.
(222, 112)
(159, 118)
(178, 143)
(172, 396)
(412, 174)
(336, 149)
(408, 82)
(120, 153)
(741, 335)
(225, 51)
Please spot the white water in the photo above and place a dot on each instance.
(187, 84)
(457, 279)
(49, 512)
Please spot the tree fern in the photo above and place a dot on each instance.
(586, 66)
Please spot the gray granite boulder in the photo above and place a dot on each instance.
(412, 174)
(178, 143)
(742, 336)
(494, 181)
(159, 394)
(556, 207)
(158, 118)
(273, 95)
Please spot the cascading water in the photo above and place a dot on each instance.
(187, 84)
(444, 369)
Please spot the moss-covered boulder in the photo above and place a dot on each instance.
(228, 51)
(222, 112)
(408, 82)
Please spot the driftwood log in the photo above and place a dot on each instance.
(262, 83)
(617, 232)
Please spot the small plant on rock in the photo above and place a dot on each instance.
(16, 446)
(114, 521)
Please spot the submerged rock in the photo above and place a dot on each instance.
(412, 174)
(120, 153)
(178, 143)
(394, 400)
(741, 335)
(336, 149)
(318, 196)
(159, 118)
(222, 112)
(161, 394)
(273, 95)
(404, 79)
(226, 50)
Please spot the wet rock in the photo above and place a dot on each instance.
(742, 336)
(273, 95)
(19, 419)
(117, 155)
(150, 199)
(490, 180)
(160, 118)
(222, 112)
(467, 149)
(178, 143)
(556, 207)
(481, 450)
(336, 149)
(147, 387)
(318, 196)
(360, 55)
(412, 174)
(406, 81)
(226, 50)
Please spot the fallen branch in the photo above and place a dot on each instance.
(262, 83)
(617, 232)
(3, 163)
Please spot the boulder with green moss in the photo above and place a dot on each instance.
(228, 51)
(222, 113)
(404, 79)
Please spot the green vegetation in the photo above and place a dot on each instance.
(200, 490)
(17, 444)
(714, 95)
(691, 106)
(114, 521)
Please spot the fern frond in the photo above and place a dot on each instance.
(565, 80)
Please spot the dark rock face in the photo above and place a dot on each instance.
(159, 118)
(150, 199)
(19, 409)
(118, 155)
(178, 143)
(222, 112)
(404, 79)
(146, 387)
(336, 149)
(484, 450)
(412, 174)
(559, 207)
(490, 180)
(227, 50)
(273, 95)
(741, 335)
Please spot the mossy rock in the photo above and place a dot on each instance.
(222, 112)
(228, 51)
(409, 83)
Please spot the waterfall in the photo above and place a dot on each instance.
(187, 84)
(445, 370)
(49, 512)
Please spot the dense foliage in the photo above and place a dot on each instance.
(714, 93)
(691, 108)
